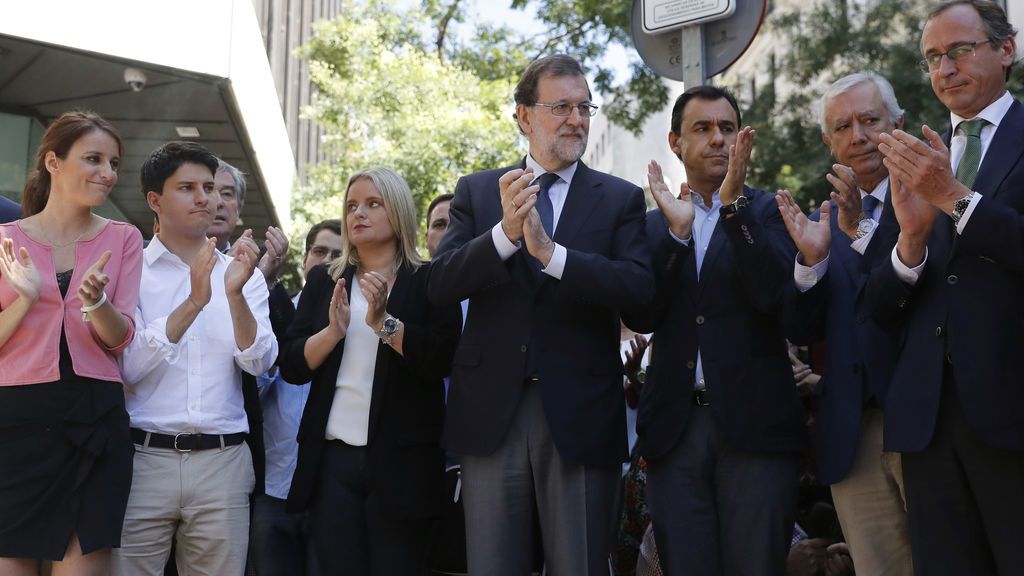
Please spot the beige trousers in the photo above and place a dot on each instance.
(872, 506)
(199, 498)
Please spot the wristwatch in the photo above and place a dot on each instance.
(960, 206)
(388, 329)
(864, 227)
(738, 204)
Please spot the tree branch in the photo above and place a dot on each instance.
(443, 29)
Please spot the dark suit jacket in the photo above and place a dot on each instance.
(860, 355)
(967, 302)
(572, 323)
(404, 459)
(9, 211)
(734, 314)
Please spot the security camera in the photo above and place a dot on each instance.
(135, 79)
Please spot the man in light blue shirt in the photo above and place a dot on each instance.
(280, 540)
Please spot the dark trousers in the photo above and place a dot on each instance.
(351, 533)
(280, 544)
(965, 499)
(718, 511)
(527, 478)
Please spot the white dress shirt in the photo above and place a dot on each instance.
(558, 192)
(349, 420)
(193, 385)
(994, 114)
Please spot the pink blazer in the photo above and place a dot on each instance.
(32, 353)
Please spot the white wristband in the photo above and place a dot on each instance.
(87, 309)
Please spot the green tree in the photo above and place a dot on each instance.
(386, 98)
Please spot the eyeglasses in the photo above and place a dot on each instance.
(586, 109)
(932, 62)
(323, 251)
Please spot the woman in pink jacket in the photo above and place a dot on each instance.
(69, 284)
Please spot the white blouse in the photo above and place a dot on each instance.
(350, 411)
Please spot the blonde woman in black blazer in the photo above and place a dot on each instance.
(370, 468)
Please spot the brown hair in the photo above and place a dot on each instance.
(59, 137)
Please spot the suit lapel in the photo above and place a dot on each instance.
(716, 246)
(396, 304)
(584, 195)
(1003, 153)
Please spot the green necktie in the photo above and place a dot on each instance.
(968, 168)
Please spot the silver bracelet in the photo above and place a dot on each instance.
(92, 307)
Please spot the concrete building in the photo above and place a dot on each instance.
(219, 72)
(619, 152)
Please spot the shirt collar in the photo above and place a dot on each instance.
(565, 174)
(698, 200)
(881, 191)
(993, 113)
(155, 250)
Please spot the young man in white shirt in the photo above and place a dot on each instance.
(202, 320)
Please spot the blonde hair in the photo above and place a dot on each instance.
(401, 211)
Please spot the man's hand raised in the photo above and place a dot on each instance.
(678, 210)
(517, 199)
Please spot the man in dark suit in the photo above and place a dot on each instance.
(719, 420)
(535, 403)
(9, 211)
(836, 255)
(952, 287)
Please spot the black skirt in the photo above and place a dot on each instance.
(65, 467)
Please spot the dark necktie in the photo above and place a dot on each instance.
(868, 204)
(544, 207)
(968, 168)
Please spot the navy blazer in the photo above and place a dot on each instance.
(9, 211)
(404, 458)
(860, 354)
(734, 314)
(967, 304)
(573, 323)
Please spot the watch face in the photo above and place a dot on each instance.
(741, 201)
(863, 228)
(390, 325)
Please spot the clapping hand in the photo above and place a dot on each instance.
(90, 291)
(19, 271)
(811, 238)
(240, 269)
(678, 210)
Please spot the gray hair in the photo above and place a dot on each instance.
(849, 82)
(237, 175)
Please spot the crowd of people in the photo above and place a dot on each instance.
(168, 406)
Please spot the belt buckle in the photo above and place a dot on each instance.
(700, 398)
(179, 435)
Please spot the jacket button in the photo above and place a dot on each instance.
(700, 320)
(691, 365)
(938, 330)
(952, 279)
(522, 348)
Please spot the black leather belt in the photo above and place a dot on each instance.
(185, 441)
(701, 398)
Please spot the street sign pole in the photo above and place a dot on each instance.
(691, 46)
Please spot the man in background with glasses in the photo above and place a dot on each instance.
(952, 288)
(549, 251)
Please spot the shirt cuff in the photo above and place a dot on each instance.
(556, 265)
(677, 239)
(156, 338)
(806, 277)
(905, 273)
(505, 247)
(967, 213)
(860, 245)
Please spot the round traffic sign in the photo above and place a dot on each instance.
(724, 40)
